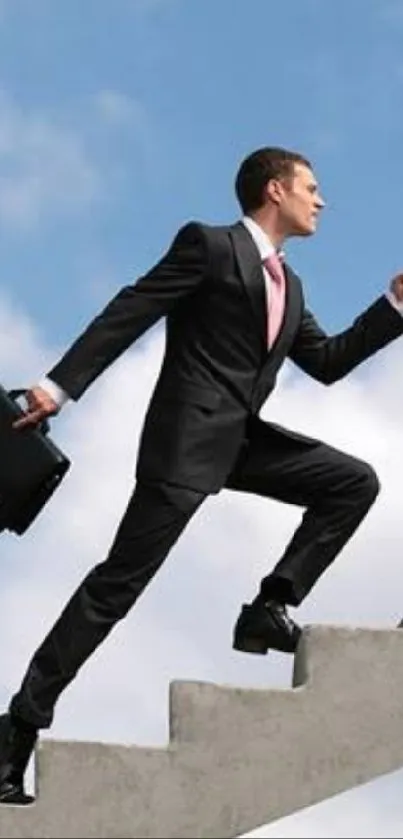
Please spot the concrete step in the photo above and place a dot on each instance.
(236, 757)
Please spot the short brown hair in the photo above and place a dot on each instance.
(259, 168)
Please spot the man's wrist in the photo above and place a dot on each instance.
(54, 390)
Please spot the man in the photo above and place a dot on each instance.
(235, 311)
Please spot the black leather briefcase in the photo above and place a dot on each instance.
(31, 466)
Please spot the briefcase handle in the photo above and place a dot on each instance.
(44, 426)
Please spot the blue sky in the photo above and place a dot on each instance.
(119, 121)
(146, 108)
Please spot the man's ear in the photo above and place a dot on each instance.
(274, 190)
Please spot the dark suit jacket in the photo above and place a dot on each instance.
(217, 371)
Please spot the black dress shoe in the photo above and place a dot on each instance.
(17, 742)
(263, 626)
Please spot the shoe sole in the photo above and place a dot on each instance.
(256, 645)
(16, 797)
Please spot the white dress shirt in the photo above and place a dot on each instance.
(265, 248)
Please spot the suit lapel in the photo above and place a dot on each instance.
(251, 273)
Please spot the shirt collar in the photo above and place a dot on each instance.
(261, 239)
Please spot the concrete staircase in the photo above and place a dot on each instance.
(236, 758)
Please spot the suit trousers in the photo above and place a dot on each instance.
(154, 518)
(335, 488)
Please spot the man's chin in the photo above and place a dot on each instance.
(312, 228)
(305, 231)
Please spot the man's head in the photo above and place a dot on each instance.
(278, 188)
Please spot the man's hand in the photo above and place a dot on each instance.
(396, 286)
(40, 406)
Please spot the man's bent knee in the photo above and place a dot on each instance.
(369, 482)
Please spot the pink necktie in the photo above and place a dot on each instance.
(276, 297)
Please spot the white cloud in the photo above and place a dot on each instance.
(116, 107)
(20, 347)
(44, 168)
(121, 694)
(127, 115)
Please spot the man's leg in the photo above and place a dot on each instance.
(154, 519)
(336, 489)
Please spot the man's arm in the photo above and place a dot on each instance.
(125, 318)
(330, 358)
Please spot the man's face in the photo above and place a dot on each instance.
(298, 200)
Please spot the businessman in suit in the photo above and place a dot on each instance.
(235, 311)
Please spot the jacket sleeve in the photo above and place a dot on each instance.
(329, 358)
(132, 311)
